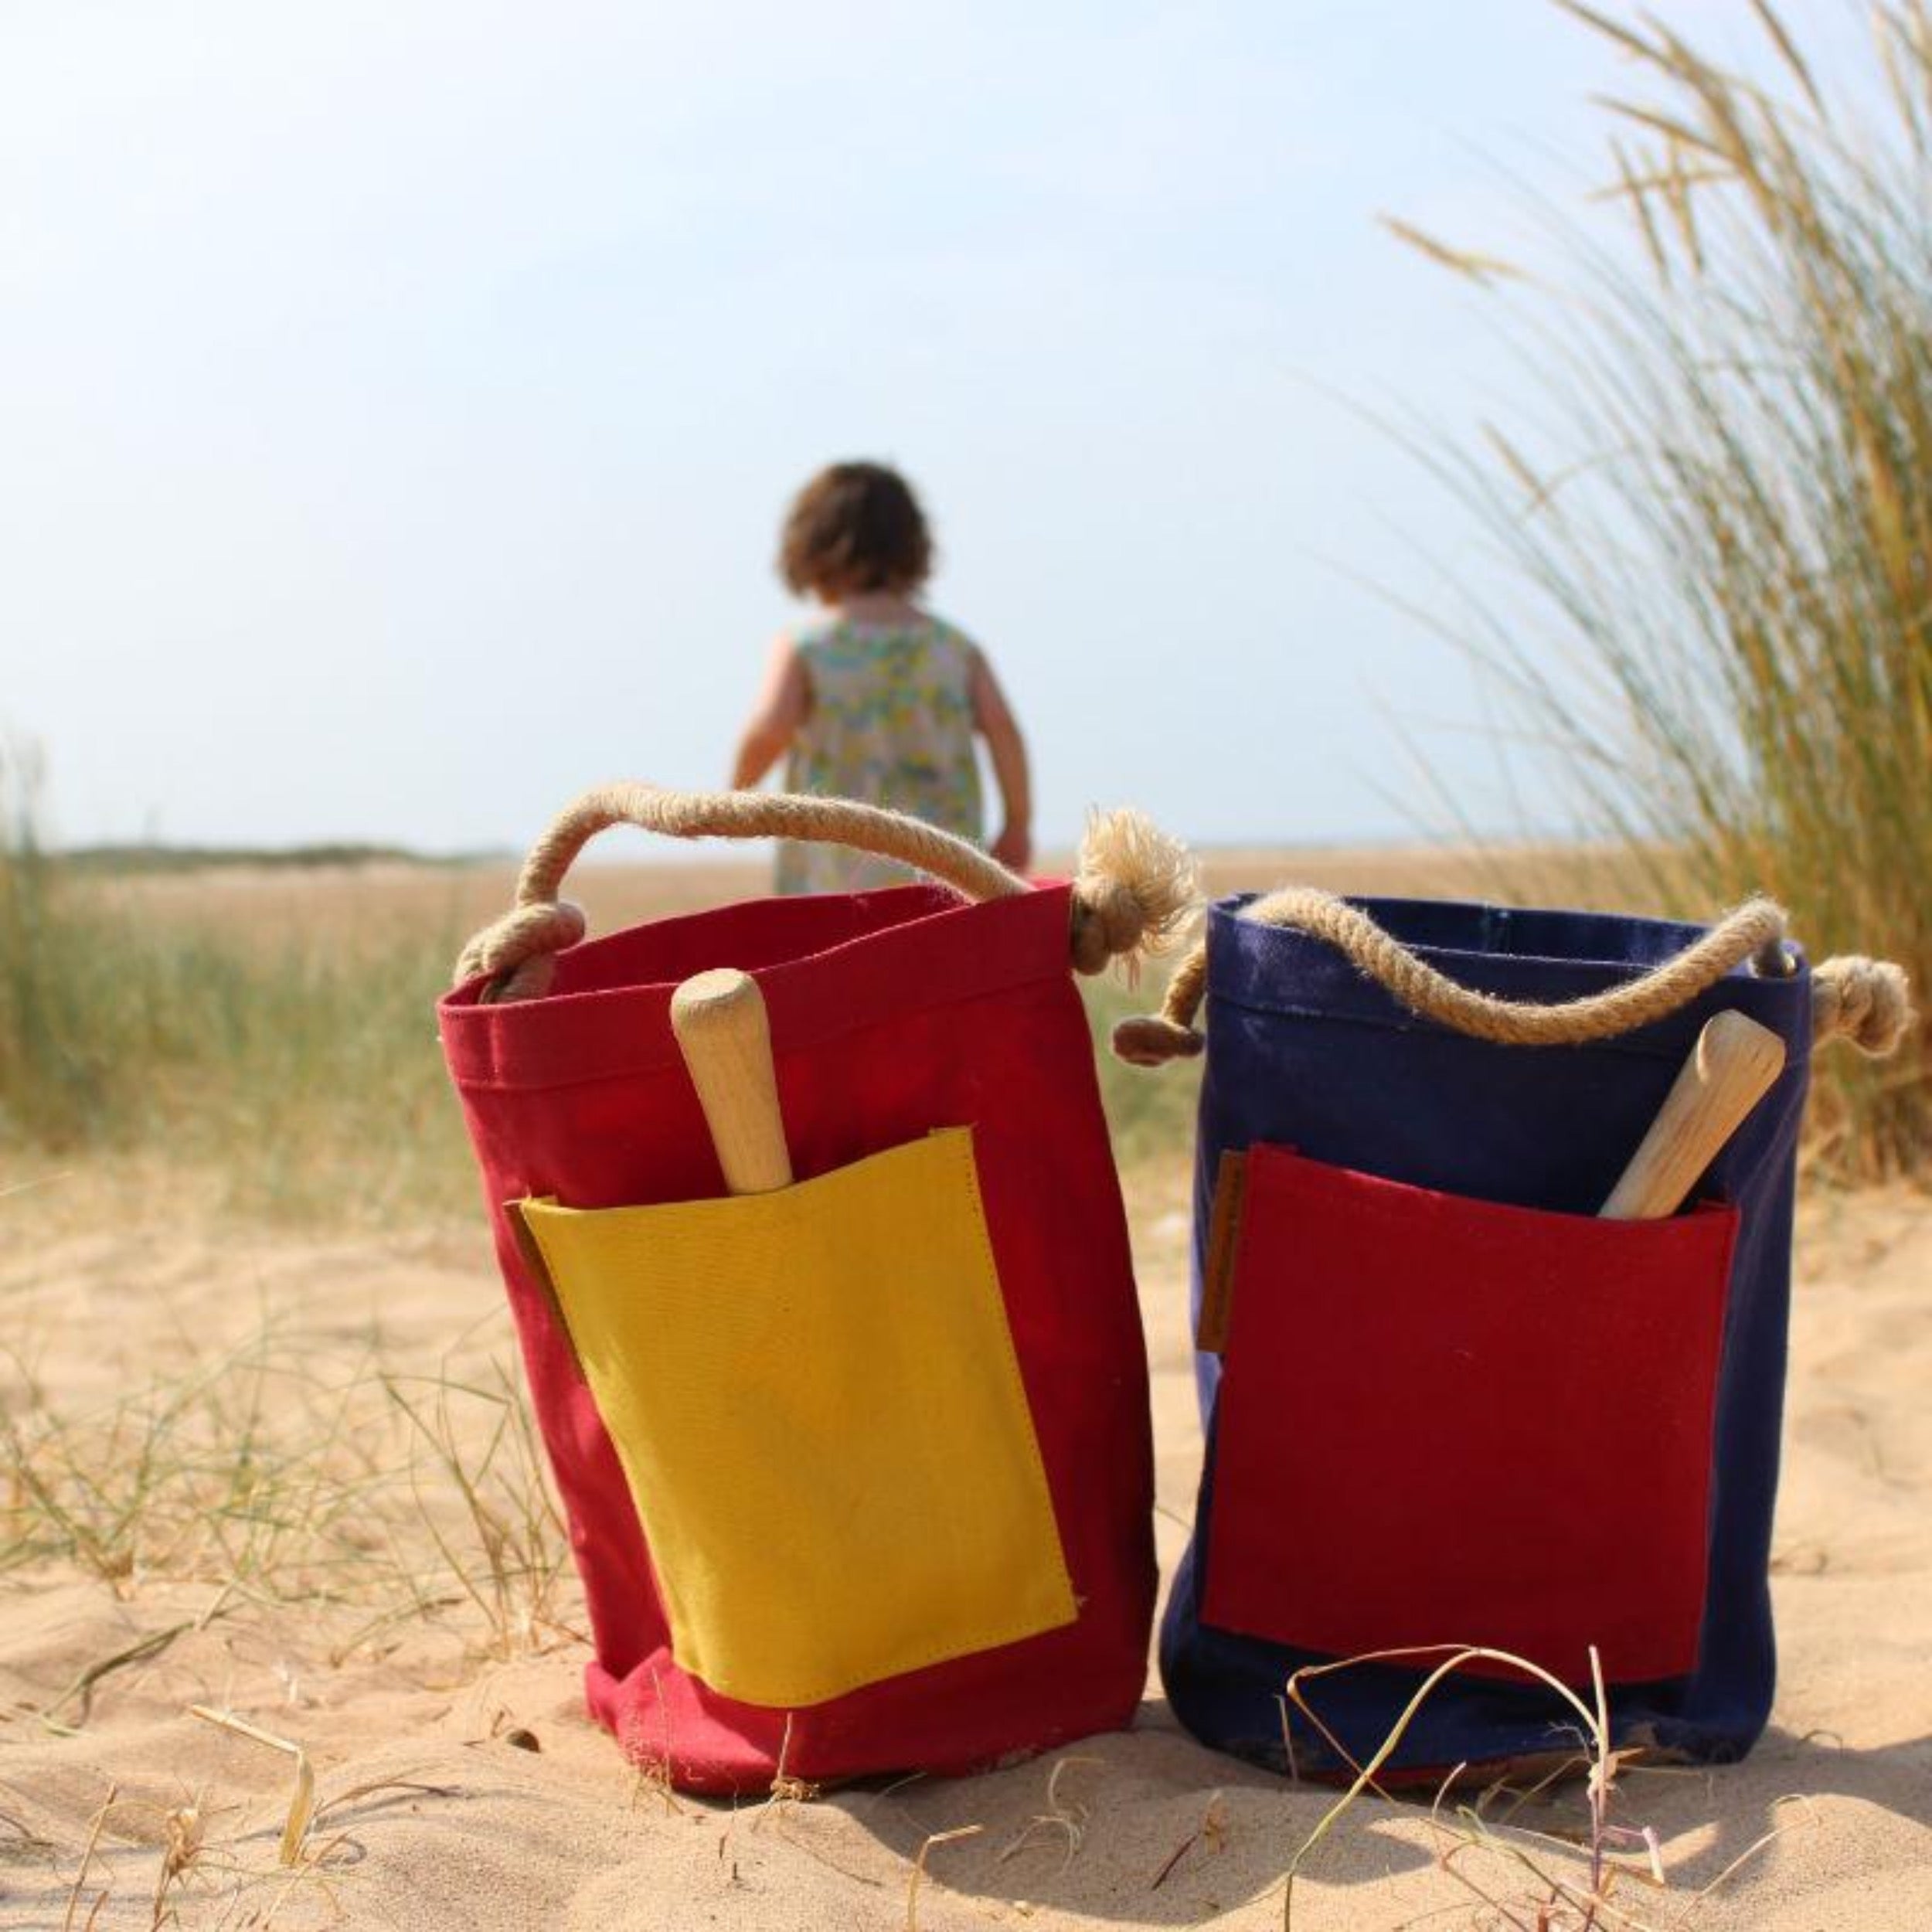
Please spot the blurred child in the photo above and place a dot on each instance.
(877, 699)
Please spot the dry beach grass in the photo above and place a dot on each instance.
(1715, 495)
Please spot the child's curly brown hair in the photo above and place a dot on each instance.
(855, 527)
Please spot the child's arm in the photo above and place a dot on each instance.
(780, 709)
(993, 720)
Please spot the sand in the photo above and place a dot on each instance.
(460, 1785)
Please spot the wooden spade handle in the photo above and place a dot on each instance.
(1730, 1070)
(720, 1020)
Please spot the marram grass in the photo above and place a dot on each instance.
(305, 1072)
(1727, 535)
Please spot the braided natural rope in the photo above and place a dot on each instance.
(1867, 1002)
(1862, 1000)
(1135, 890)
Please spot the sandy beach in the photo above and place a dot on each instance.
(423, 1651)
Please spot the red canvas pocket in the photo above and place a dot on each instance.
(1444, 1420)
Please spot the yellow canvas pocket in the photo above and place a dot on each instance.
(815, 1397)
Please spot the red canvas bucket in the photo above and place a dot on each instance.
(858, 1474)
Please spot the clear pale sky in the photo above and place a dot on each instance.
(397, 402)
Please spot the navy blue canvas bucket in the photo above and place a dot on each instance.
(1453, 1407)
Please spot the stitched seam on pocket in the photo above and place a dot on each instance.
(1010, 1355)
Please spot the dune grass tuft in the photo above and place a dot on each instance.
(1727, 541)
(1517, 1883)
(304, 1069)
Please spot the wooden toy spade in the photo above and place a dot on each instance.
(719, 1021)
(1732, 1066)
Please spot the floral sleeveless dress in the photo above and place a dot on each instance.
(891, 723)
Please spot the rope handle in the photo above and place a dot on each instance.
(1132, 892)
(1867, 1001)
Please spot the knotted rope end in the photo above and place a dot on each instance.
(1135, 892)
(1865, 1002)
(1152, 1040)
